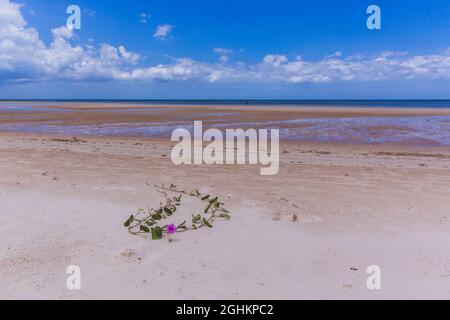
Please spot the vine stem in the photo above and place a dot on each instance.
(169, 208)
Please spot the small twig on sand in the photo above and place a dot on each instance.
(291, 203)
(74, 140)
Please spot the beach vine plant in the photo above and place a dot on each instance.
(151, 221)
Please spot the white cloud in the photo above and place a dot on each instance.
(24, 56)
(162, 31)
(225, 54)
(144, 17)
(108, 52)
(63, 32)
(128, 56)
(223, 51)
(224, 58)
(275, 60)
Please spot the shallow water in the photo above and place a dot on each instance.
(17, 106)
(433, 130)
(416, 130)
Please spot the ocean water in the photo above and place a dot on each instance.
(316, 103)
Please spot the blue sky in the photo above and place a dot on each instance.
(225, 49)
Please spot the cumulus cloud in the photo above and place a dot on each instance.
(128, 56)
(62, 32)
(225, 54)
(383, 66)
(25, 57)
(275, 60)
(162, 31)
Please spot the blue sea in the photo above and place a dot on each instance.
(293, 103)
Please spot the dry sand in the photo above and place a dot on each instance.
(64, 203)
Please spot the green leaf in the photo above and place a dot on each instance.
(206, 222)
(168, 208)
(214, 200)
(157, 233)
(196, 218)
(157, 216)
(150, 223)
(129, 221)
(225, 215)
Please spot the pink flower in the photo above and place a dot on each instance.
(171, 229)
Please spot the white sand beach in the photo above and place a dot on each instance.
(64, 203)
